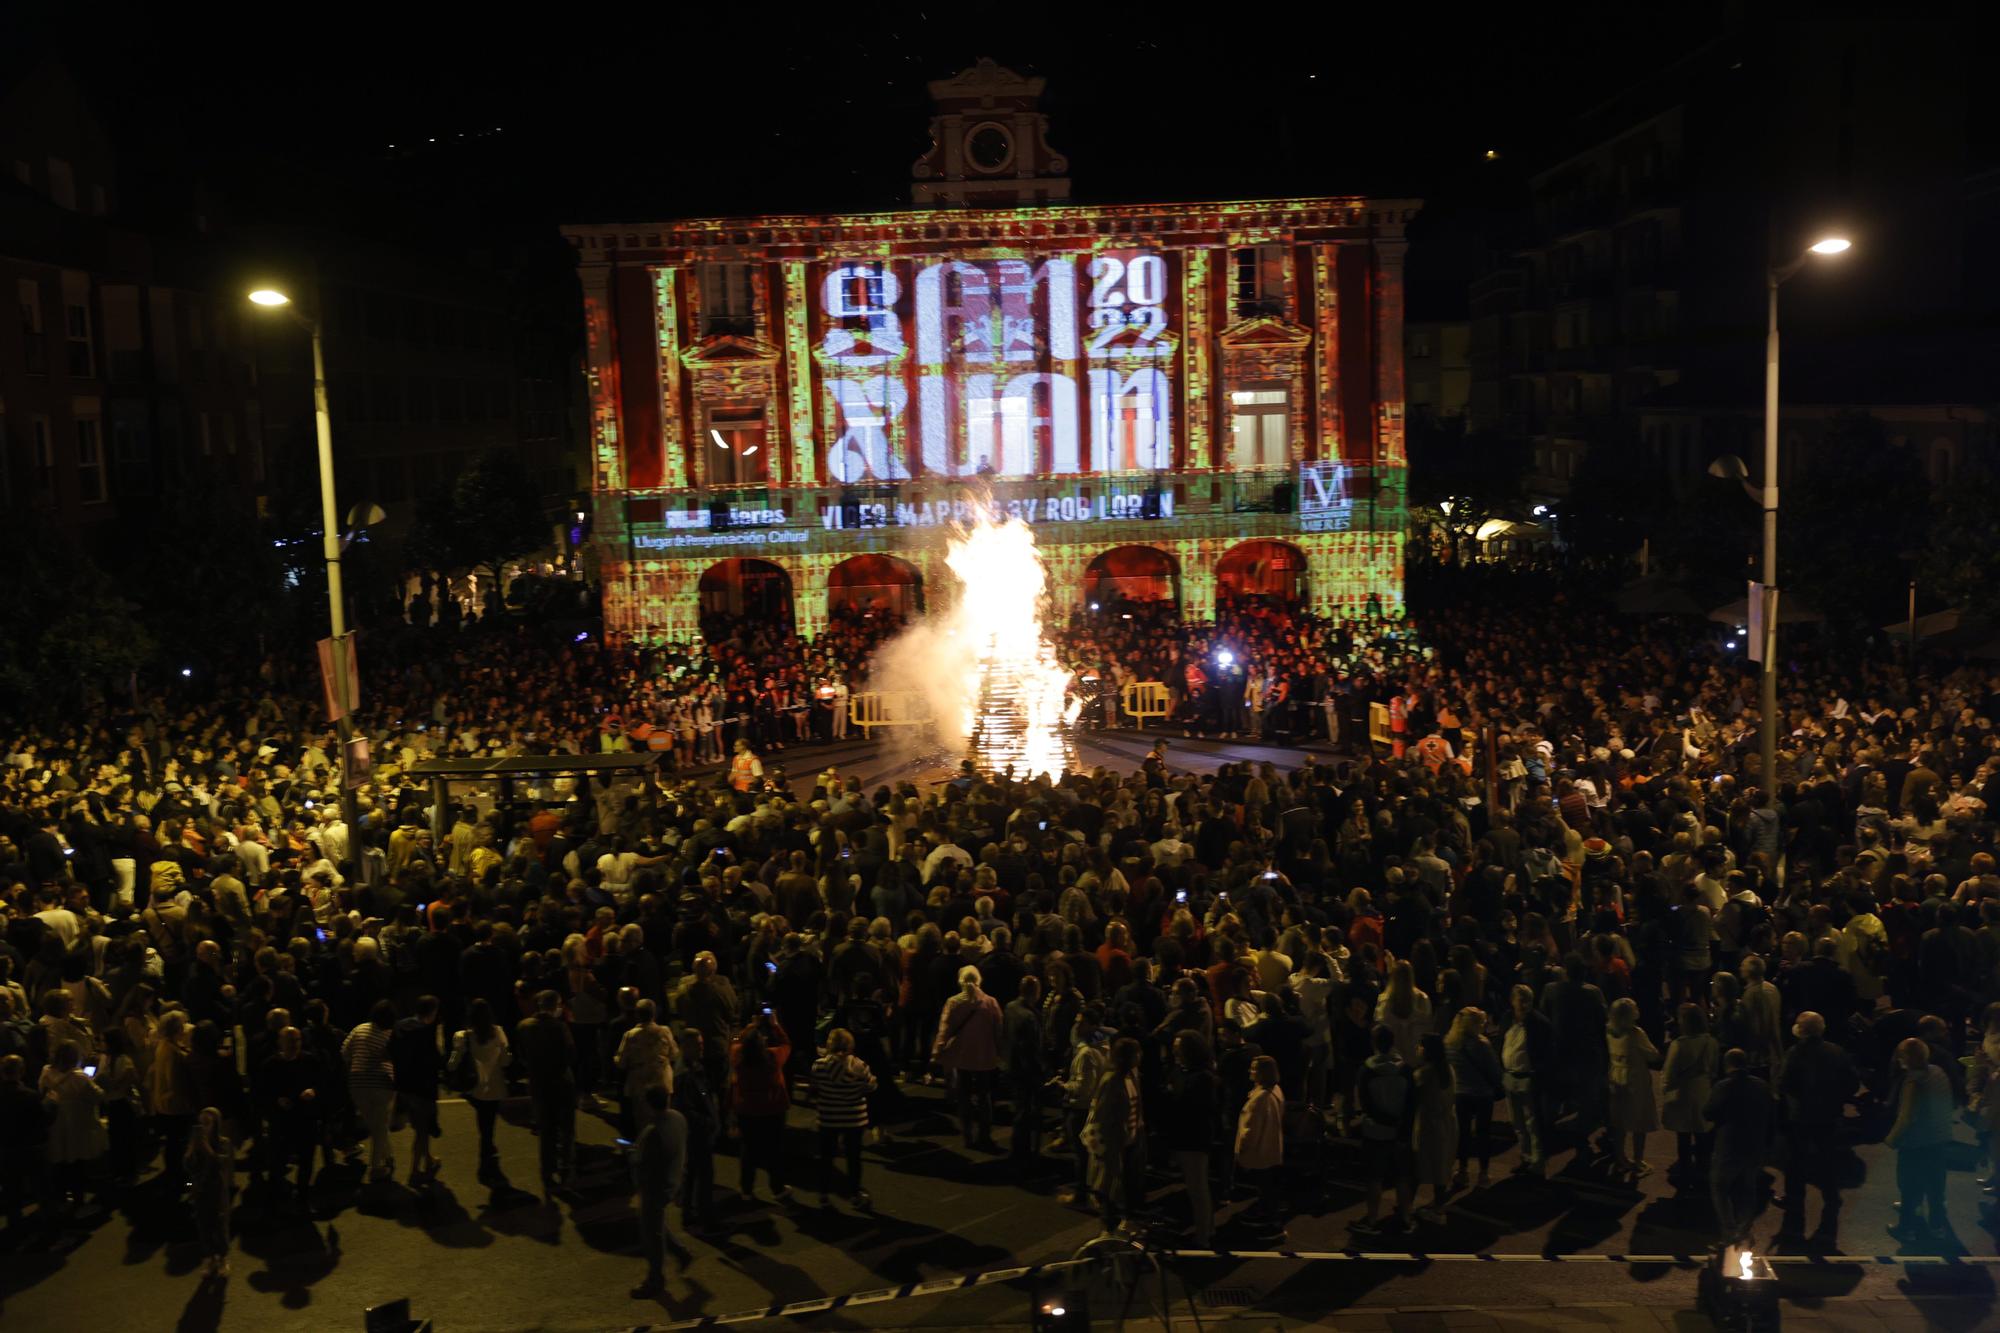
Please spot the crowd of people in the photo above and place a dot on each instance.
(1192, 1000)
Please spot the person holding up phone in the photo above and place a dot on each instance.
(759, 1097)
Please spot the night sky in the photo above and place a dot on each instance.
(595, 113)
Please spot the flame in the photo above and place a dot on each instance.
(1746, 1265)
(1016, 711)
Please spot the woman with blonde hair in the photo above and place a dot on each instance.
(1404, 1010)
(1694, 1058)
(1634, 1109)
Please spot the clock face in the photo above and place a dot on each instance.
(989, 147)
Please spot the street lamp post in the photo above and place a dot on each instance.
(336, 599)
(1766, 497)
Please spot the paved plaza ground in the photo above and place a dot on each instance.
(473, 1257)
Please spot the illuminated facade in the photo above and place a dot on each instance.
(802, 401)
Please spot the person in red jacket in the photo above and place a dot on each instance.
(758, 1096)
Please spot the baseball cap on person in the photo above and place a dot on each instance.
(266, 751)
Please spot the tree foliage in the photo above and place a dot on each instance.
(69, 635)
(1858, 506)
(211, 584)
(1961, 563)
(488, 516)
(1477, 472)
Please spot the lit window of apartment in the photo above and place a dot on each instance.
(1260, 416)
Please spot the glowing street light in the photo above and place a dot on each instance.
(270, 298)
(1767, 499)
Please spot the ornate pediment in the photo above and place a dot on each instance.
(721, 350)
(1265, 333)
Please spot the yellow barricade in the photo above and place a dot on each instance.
(1143, 700)
(1378, 725)
(888, 708)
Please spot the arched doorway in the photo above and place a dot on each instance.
(1272, 571)
(741, 589)
(864, 585)
(1131, 574)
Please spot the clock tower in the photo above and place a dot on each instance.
(988, 148)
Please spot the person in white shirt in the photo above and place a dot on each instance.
(838, 700)
(62, 922)
(945, 851)
(332, 836)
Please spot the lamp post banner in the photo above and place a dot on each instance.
(336, 707)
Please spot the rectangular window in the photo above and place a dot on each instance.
(41, 460)
(736, 454)
(76, 322)
(1260, 418)
(34, 341)
(89, 461)
(725, 299)
(1260, 281)
(62, 184)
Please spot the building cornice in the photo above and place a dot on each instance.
(1049, 227)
